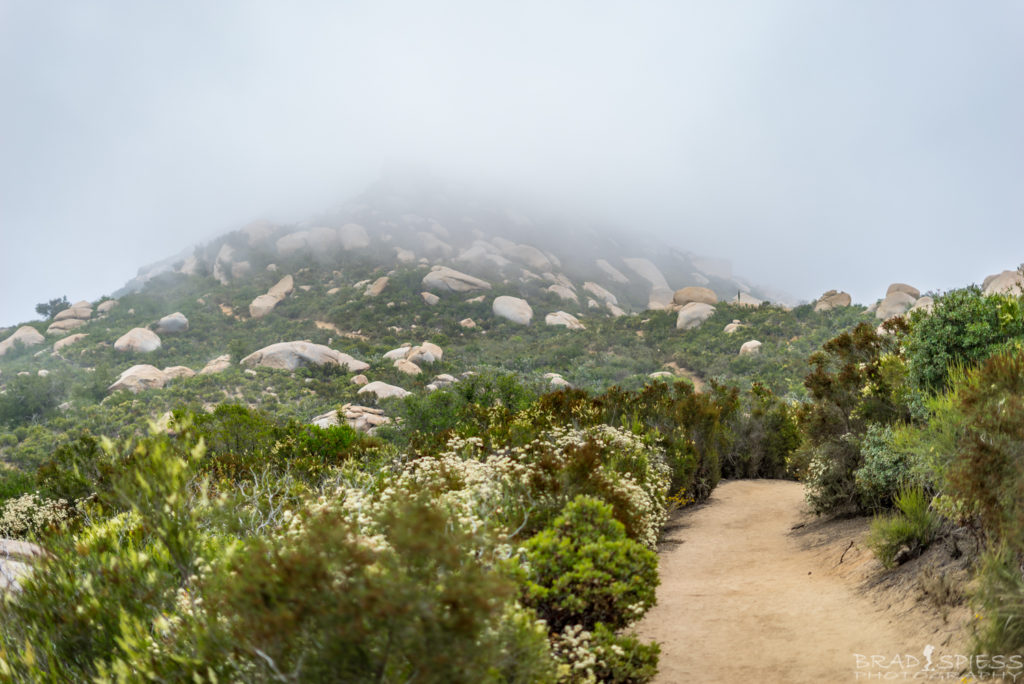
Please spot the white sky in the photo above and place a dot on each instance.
(817, 144)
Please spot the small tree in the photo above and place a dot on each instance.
(53, 307)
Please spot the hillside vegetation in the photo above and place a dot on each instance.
(338, 460)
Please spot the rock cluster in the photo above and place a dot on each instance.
(833, 299)
(77, 315)
(360, 418)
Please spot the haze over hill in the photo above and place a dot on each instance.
(816, 147)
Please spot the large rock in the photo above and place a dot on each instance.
(16, 559)
(833, 299)
(139, 378)
(513, 309)
(694, 294)
(217, 365)
(693, 315)
(564, 293)
(749, 348)
(353, 236)
(896, 303)
(904, 288)
(615, 274)
(173, 323)
(649, 272)
(360, 418)
(262, 305)
(925, 304)
(382, 390)
(138, 340)
(78, 311)
(443, 279)
(1007, 282)
(106, 306)
(565, 319)
(733, 327)
(68, 341)
(282, 288)
(607, 297)
(374, 289)
(175, 372)
(292, 355)
(407, 367)
(63, 326)
(26, 335)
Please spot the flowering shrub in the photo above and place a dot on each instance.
(30, 514)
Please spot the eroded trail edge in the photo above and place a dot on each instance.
(742, 598)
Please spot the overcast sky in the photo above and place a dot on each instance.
(817, 144)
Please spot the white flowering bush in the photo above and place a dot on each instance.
(30, 514)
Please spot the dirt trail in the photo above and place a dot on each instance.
(744, 599)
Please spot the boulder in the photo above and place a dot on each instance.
(1007, 282)
(139, 378)
(282, 288)
(262, 305)
(556, 380)
(63, 326)
(895, 304)
(82, 313)
(107, 306)
(565, 319)
(173, 323)
(407, 367)
(382, 390)
(68, 341)
(175, 372)
(660, 299)
(377, 287)
(904, 288)
(564, 293)
(733, 327)
(513, 309)
(615, 274)
(404, 256)
(751, 347)
(359, 380)
(604, 295)
(399, 353)
(240, 269)
(693, 315)
(443, 279)
(292, 355)
(661, 375)
(426, 348)
(360, 418)
(291, 243)
(138, 340)
(832, 299)
(694, 294)
(467, 323)
(925, 304)
(431, 244)
(649, 272)
(430, 298)
(353, 236)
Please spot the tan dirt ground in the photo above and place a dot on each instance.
(753, 590)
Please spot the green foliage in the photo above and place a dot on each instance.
(911, 529)
(965, 327)
(53, 307)
(855, 379)
(765, 437)
(999, 599)
(623, 658)
(988, 469)
(584, 570)
(30, 398)
(885, 470)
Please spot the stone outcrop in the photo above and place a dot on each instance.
(694, 294)
(265, 303)
(171, 324)
(557, 381)
(693, 315)
(408, 367)
(175, 372)
(749, 348)
(138, 378)
(106, 306)
(564, 293)
(360, 418)
(925, 304)
(292, 355)
(25, 335)
(217, 365)
(382, 390)
(896, 303)
(904, 288)
(613, 273)
(141, 340)
(430, 298)
(513, 309)
(833, 299)
(60, 345)
(564, 319)
(443, 279)
(376, 287)
(1007, 282)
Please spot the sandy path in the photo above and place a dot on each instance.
(741, 601)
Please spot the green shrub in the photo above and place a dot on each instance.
(999, 601)
(583, 570)
(913, 528)
(965, 327)
(764, 437)
(885, 471)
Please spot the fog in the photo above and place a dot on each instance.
(816, 145)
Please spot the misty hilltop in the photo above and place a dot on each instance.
(417, 222)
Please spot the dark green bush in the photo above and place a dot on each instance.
(583, 570)
(911, 529)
